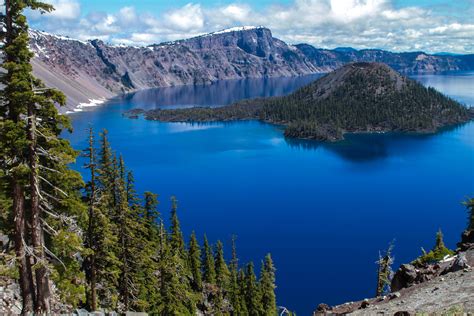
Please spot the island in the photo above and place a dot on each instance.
(358, 97)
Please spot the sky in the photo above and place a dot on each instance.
(396, 25)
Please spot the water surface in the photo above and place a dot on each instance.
(322, 210)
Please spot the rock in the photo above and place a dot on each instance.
(394, 295)
(402, 313)
(460, 263)
(405, 276)
(365, 303)
(323, 308)
(467, 240)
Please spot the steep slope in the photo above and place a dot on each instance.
(92, 69)
(358, 97)
(449, 293)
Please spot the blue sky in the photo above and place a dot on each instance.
(397, 25)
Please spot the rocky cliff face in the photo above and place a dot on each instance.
(94, 70)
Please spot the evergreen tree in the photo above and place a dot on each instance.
(209, 268)
(91, 240)
(222, 271)
(151, 214)
(267, 286)
(235, 295)
(176, 294)
(194, 262)
(242, 282)
(439, 240)
(222, 277)
(384, 271)
(176, 236)
(45, 197)
(437, 253)
(252, 293)
(106, 248)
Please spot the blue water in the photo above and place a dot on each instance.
(322, 210)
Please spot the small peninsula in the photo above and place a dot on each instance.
(358, 97)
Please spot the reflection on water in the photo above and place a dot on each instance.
(217, 94)
(367, 147)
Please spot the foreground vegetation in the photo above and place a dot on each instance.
(360, 97)
(99, 243)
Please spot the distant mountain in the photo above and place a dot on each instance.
(446, 54)
(358, 97)
(87, 70)
(345, 49)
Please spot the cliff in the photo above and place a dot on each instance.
(87, 70)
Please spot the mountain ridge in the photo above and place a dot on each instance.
(92, 70)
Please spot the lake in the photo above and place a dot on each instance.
(323, 210)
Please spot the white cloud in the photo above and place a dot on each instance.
(189, 17)
(65, 9)
(323, 23)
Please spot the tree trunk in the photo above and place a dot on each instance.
(26, 287)
(125, 276)
(91, 229)
(37, 238)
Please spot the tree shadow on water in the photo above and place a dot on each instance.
(369, 147)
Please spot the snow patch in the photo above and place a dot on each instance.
(421, 57)
(81, 106)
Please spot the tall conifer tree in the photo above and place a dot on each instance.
(194, 262)
(252, 293)
(34, 162)
(267, 286)
(209, 268)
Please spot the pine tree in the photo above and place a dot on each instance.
(194, 262)
(91, 241)
(242, 282)
(222, 271)
(222, 277)
(235, 295)
(176, 294)
(209, 268)
(267, 287)
(439, 240)
(148, 264)
(106, 240)
(384, 271)
(252, 293)
(34, 159)
(176, 236)
(151, 214)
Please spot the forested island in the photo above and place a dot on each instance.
(358, 97)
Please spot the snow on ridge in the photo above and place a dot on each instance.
(236, 29)
(228, 30)
(37, 34)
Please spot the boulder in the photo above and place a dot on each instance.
(460, 263)
(467, 240)
(405, 276)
